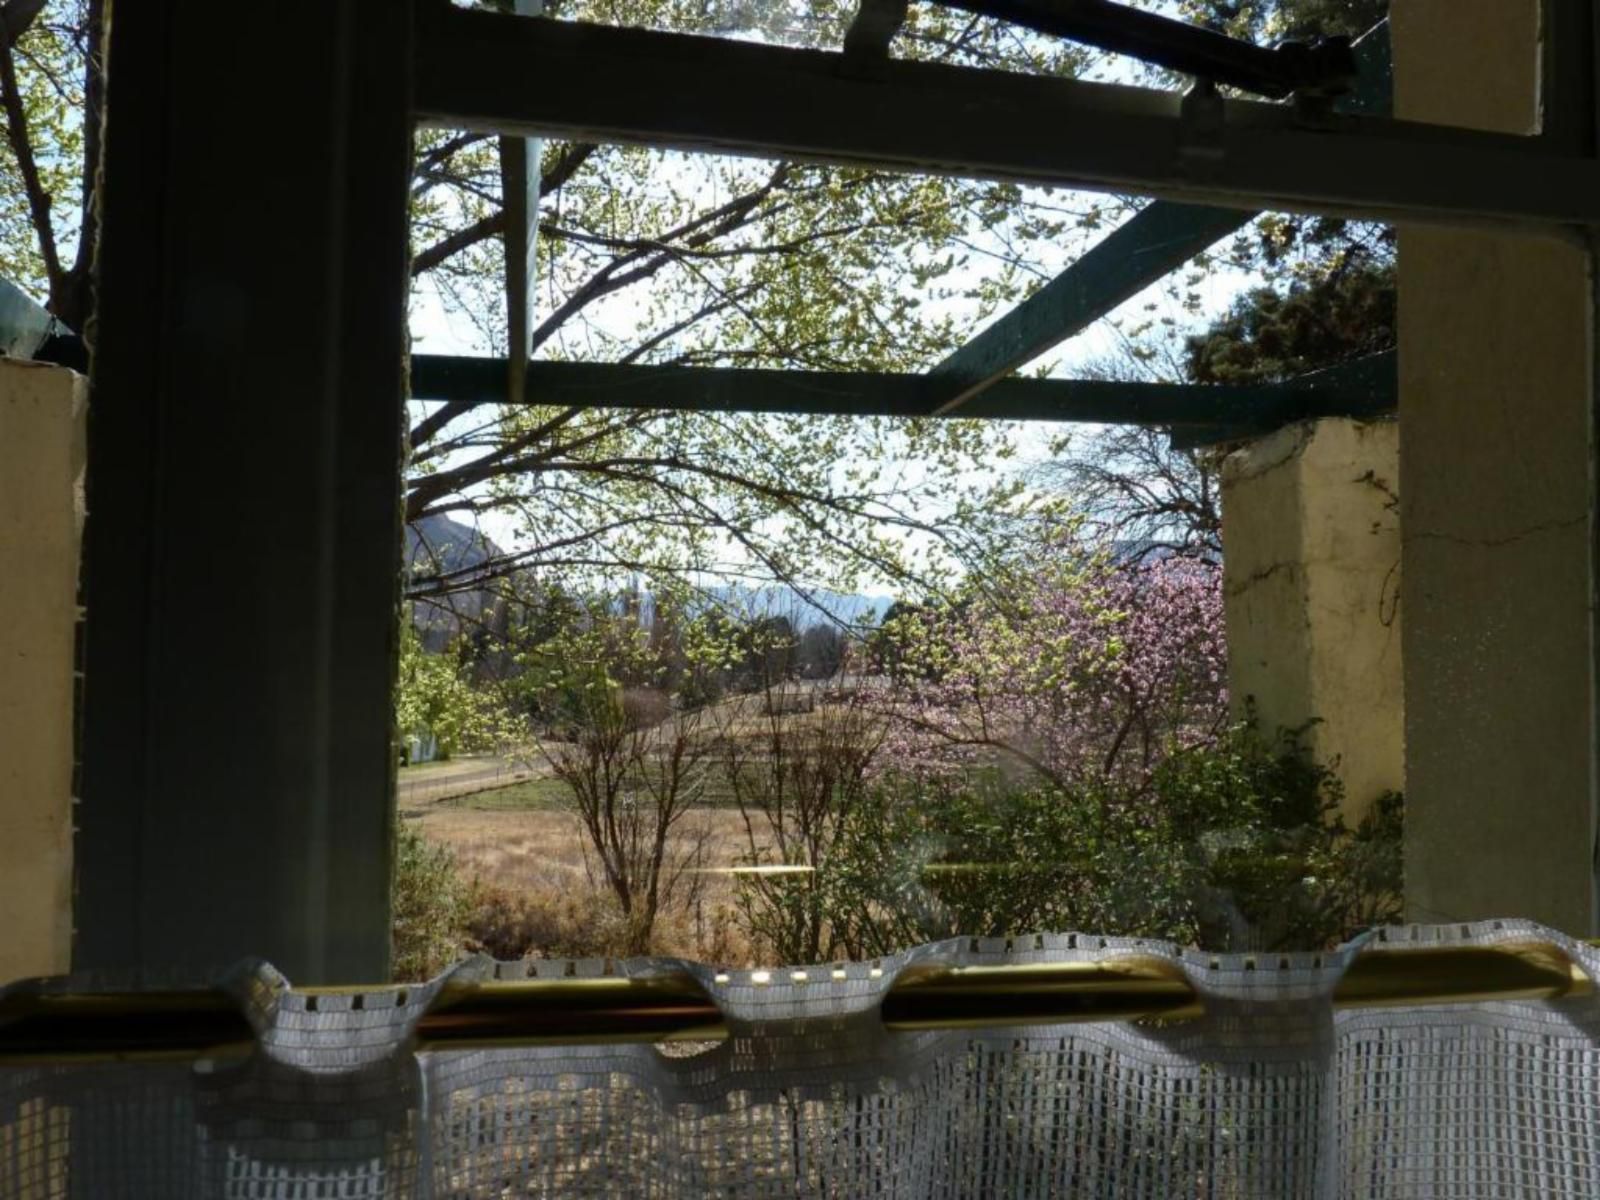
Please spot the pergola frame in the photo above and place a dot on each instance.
(237, 782)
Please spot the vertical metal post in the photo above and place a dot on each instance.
(520, 173)
(247, 411)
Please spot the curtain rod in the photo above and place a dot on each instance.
(40, 1027)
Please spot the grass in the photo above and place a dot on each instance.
(531, 795)
(443, 766)
(524, 845)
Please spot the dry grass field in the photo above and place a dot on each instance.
(523, 845)
(539, 892)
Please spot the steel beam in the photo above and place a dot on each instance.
(1144, 249)
(243, 540)
(1276, 71)
(845, 393)
(1367, 387)
(520, 165)
(488, 71)
(1147, 247)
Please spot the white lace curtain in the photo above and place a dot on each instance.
(1271, 1094)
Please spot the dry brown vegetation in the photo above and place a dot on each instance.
(626, 840)
(536, 894)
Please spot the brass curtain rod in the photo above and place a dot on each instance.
(37, 1026)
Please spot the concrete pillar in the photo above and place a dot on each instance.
(1311, 580)
(1496, 400)
(41, 521)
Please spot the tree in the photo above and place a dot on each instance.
(634, 768)
(652, 257)
(50, 93)
(436, 698)
(821, 652)
(655, 257)
(1080, 671)
(1286, 20)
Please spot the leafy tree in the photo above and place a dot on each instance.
(821, 652)
(49, 81)
(1079, 669)
(1271, 335)
(1271, 21)
(435, 696)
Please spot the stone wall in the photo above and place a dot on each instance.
(1311, 577)
(42, 411)
(1496, 487)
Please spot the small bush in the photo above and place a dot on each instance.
(987, 856)
(1281, 869)
(431, 900)
(1234, 846)
(544, 924)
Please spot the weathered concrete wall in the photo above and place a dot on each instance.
(41, 521)
(1311, 580)
(1496, 397)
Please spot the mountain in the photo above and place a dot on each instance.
(781, 600)
(440, 545)
(437, 545)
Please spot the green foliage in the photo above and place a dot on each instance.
(432, 902)
(1272, 21)
(435, 695)
(799, 782)
(39, 233)
(1278, 859)
(1270, 335)
(991, 856)
(1233, 846)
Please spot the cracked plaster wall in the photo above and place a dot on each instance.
(1311, 584)
(41, 521)
(1496, 396)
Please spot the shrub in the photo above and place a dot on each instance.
(544, 924)
(1281, 868)
(988, 856)
(1236, 845)
(796, 779)
(430, 900)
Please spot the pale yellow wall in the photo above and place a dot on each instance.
(1311, 578)
(41, 513)
(1495, 483)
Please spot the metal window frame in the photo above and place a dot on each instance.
(237, 801)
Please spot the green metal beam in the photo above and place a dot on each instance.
(500, 74)
(846, 393)
(24, 322)
(1367, 387)
(1152, 244)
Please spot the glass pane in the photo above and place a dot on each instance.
(789, 688)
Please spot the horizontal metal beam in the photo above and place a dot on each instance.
(1374, 379)
(846, 393)
(487, 71)
(41, 1026)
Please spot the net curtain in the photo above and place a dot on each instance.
(1271, 1094)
